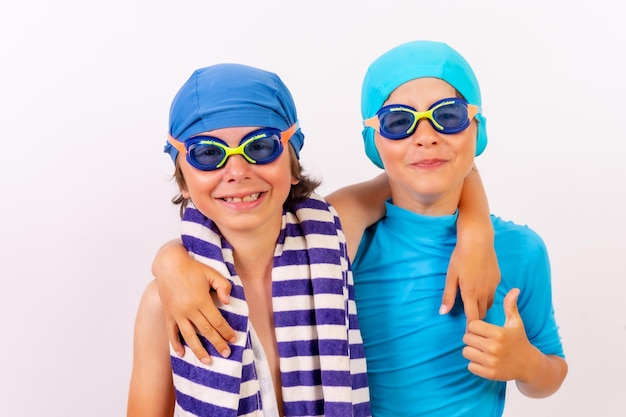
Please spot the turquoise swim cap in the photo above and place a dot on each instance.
(417, 59)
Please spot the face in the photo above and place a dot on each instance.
(240, 196)
(426, 170)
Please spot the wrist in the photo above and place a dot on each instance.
(534, 365)
(476, 235)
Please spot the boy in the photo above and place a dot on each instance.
(250, 213)
(423, 124)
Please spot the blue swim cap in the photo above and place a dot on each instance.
(417, 59)
(231, 95)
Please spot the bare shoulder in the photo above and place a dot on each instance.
(151, 297)
(151, 313)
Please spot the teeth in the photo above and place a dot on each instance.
(251, 197)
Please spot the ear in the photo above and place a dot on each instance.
(180, 179)
(184, 192)
(295, 181)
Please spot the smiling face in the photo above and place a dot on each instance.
(240, 196)
(426, 170)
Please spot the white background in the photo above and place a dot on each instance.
(85, 89)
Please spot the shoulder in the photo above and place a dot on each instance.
(512, 235)
(522, 256)
(151, 311)
(151, 389)
(150, 335)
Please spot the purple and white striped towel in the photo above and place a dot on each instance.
(322, 363)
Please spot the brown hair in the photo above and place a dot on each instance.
(299, 192)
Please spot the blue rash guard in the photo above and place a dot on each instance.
(414, 355)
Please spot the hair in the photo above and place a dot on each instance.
(299, 192)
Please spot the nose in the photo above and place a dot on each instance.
(425, 134)
(236, 168)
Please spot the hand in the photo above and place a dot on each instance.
(474, 270)
(184, 287)
(500, 353)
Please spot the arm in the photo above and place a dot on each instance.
(505, 354)
(151, 392)
(473, 266)
(359, 206)
(184, 285)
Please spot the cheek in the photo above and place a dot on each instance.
(195, 181)
(381, 146)
(282, 174)
(465, 149)
(389, 150)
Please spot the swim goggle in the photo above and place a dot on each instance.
(208, 153)
(399, 121)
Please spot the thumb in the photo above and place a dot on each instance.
(221, 285)
(510, 308)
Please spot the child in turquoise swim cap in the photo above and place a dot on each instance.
(423, 123)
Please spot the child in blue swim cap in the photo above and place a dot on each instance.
(250, 214)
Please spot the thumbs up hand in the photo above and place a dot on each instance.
(499, 353)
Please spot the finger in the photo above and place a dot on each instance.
(188, 333)
(481, 370)
(219, 327)
(472, 354)
(471, 309)
(483, 329)
(490, 298)
(476, 339)
(174, 336)
(480, 364)
(212, 327)
(483, 306)
(449, 293)
(222, 287)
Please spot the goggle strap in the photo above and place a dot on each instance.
(287, 134)
(472, 111)
(372, 122)
(180, 147)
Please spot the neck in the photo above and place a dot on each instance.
(433, 204)
(253, 252)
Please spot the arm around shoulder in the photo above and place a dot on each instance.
(359, 206)
(473, 265)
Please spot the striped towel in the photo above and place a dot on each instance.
(322, 363)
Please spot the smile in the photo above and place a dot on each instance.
(248, 198)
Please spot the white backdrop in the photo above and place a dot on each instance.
(85, 89)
